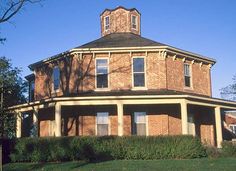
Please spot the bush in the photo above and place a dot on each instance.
(106, 148)
(213, 152)
(229, 149)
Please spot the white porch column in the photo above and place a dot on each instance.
(120, 111)
(218, 122)
(35, 121)
(184, 117)
(58, 120)
(18, 124)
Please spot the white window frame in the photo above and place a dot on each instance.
(190, 76)
(108, 79)
(96, 123)
(234, 128)
(136, 22)
(57, 90)
(105, 24)
(146, 119)
(145, 75)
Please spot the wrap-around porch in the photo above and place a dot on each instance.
(129, 115)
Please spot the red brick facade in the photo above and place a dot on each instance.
(161, 73)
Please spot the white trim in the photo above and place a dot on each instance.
(150, 48)
(108, 75)
(145, 79)
(152, 99)
(136, 22)
(105, 23)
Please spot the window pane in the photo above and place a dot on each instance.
(139, 80)
(101, 62)
(141, 129)
(56, 78)
(134, 22)
(102, 129)
(187, 81)
(102, 73)
(138, 64)
(31, 92)
(186, 70)
(102, 81)
(140, 117)
(102, 118)
(101, 70)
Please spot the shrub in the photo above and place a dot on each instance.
(106, 148)
(229, 149)
(213, 152)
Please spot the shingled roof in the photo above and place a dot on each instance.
(121, 40)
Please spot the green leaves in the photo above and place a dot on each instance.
(107, 148)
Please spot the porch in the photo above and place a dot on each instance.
(149, 115)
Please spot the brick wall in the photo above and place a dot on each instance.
(78, 75)
(200, 80)
(120, 21)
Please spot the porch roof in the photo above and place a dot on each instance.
(127, 97)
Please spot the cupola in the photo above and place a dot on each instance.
(120, 20)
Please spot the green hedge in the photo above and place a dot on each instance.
(229, 149)
(106, 148)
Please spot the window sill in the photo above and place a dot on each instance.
(188, 88)
(102, 89)
(139, 88)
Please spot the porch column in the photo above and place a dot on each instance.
(219, 137)
(120, 118)
(58, 120)
(184, 117)
(35, 122)
(18, 124)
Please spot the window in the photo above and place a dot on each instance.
(187, 75)
(233, 128)
(191, 124)
(56, 78)
(102, 73)
(134, 22)
(140, 123)
(31, 91)
(138, 72)
(107, 23)
(102, 123)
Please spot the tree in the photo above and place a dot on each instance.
(229, 92)
(9, 8)
(12, 89)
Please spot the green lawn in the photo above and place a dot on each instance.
(221, 164)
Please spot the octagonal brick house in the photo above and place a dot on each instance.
(123, 84)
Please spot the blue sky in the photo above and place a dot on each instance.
(200, 26)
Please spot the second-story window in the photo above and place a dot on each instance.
(107, 23)
(31, 91)
(102, 73)
(134, 22)
(187, 75)
(138, 72)
(56, 78)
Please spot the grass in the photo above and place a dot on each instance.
(219, 164)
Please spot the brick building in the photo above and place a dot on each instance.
(123, 84)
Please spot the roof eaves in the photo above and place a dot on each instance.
(131, 9)
(32, 66)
